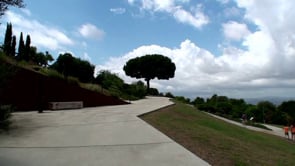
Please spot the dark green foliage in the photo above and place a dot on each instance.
(267, 110)
(7, 46)
(47, 58)
(108, 80)
(239, 107)
(153, 92)
(116, 86)
(182, 99)
(252, 111)
(9, 41)
(150, 67)
(264, 111)
(4, 4)
(169, 94)
(75, 67)
(21, 48)
(27, 49)
(64, 64)
(225, 106)
(288, 107)
(13, 45)
(198, 101)
(39, 58)
(136, 90)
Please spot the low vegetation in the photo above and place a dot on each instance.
(235, 109)
(218, 142)
(5, 114)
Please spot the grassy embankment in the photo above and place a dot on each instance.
(218, 142)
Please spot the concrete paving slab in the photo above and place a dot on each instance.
(111, 135)
(160, 154)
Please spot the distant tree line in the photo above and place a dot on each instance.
(264, 111)
(116, 85)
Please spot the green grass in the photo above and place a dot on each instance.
(218, 142)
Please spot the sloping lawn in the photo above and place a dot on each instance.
(218, 142)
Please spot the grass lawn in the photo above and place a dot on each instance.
(218, 142)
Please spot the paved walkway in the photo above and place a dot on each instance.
(107, 136)
(275, 130)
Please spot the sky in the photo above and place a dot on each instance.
(237, 48)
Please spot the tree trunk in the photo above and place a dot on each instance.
(148, 85)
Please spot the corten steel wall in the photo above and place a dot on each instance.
(28, 89)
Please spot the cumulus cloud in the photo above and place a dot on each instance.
(42, 35)
(118, 10)
(232, 12)
(264, 66)
(26, 11)
(223, 1)
(233, 30)
(131, 1)
(86, 56)
(194, 17)
(198, 19)
(90, 31)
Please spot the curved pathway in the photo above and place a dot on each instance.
(274, 130)
(107, 136)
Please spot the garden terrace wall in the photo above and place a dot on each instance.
(27, 90)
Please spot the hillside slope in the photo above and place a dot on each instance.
(28, 90)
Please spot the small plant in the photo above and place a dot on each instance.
(93, 87)
(249, 123)
(5, 115)
(73, 80)
(52, 73)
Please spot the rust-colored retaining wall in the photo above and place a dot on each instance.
(28, 90)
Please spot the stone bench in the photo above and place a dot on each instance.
(65, 105)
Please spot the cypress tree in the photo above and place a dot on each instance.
(13, 45)
(8, 39)
(27, 48)
(21, 47)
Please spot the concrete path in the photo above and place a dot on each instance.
(100, 136)
(275, 130)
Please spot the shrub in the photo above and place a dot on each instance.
(5, 114)
(73, 80)
(52, 73)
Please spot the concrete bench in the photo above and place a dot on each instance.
(65, 105)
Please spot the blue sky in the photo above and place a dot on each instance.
(238, 48)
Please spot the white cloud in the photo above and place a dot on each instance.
(264, 67)
(26, 11)
(223, 1)
(90, 31)
(197, 20)
(131, 1)
(232, 12)
(236, 73)
(86, 56)
(42, 35)
(198, 67)
(118, 10)
(235, 31)
(195, 17)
